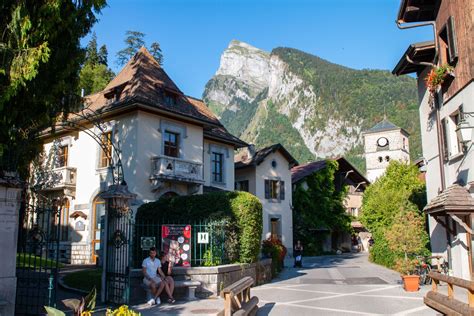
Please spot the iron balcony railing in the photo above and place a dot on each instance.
(176, 169)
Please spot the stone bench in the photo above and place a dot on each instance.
(189, 285)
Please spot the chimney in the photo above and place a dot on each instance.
(250, 151)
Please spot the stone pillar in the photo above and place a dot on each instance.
(10, 193)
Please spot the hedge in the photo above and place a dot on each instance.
(243, 209)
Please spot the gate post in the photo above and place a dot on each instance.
(117, 254)
(10, 194)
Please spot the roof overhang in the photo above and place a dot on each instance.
(418, 11)
(416, 53)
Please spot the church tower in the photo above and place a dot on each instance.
(383, 143)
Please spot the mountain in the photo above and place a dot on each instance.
(315, 108)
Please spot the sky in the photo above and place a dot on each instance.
(193, 34)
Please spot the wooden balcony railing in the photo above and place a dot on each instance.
(447, 304)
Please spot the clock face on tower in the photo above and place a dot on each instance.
(382, 142)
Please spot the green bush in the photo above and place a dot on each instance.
(274, 249)
(242, 210)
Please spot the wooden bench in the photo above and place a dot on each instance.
(237, 299)
(448, 305)
(191, 287)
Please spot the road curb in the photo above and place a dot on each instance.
(69, 288)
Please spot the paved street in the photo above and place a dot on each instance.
(331, 285)
(339, 285)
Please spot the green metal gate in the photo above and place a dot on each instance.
(37, 257)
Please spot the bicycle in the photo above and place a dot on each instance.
(423, 270)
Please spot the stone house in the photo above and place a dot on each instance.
(447, 121)
(266, 173)
(346, 176)
(171, 144)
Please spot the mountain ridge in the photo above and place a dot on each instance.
(315, 108)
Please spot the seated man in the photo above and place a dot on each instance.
(151, 267)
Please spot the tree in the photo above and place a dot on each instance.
(103, 55)
(407, 236)
(40, 57)
(397, 190)
(319, 205)
(134, 40)
(95, 74)
(155, 51)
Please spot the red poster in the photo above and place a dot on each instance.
(176, 243)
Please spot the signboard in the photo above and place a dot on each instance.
(147, 242)
(176, 243)
(80, 226)
(203, 238)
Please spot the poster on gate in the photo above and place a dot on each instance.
(176, 243)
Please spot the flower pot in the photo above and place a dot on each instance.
(411, 282)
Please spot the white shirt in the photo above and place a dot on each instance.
(151, 266)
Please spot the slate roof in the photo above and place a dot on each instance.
(143, 81)
(454, 199)
(242, 161)
(384, 125)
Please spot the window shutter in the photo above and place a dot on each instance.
(282, 190)
(444, 131)
(452, 46)
(267, 189)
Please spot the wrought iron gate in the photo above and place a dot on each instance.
(37, 257)
(118, 257)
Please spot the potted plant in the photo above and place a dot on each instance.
(407, 236)
(436, 78)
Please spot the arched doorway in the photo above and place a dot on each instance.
(98, 210)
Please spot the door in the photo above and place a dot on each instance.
(98, 210)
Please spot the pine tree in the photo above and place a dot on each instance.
(133, 41)
(103, 55)
(91, 51)
(155, 51)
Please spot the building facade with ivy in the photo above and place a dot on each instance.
(169, 144)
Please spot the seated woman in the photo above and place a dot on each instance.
(166, 268)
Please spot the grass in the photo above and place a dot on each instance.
(84, 280)
(28, 260)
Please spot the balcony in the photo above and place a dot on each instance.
(169, 169)
(63, 178)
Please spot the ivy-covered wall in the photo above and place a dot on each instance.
(242, 211)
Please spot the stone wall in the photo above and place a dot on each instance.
(73, 253)
(213, 279)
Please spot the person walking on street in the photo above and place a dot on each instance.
(298, 254)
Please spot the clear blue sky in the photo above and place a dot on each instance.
(193, 34)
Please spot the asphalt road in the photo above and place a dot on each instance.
(339, 285)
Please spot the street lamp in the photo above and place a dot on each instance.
(464, 130)
(118, 197)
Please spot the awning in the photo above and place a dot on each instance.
(417, 52)
(454, 201)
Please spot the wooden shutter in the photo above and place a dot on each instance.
(282, 190)
(267, 189)
(452, 46)
(444, 133)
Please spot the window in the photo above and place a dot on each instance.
(449, 49)
(170, 98)
(452, 145)
(274, 190)
(106, 151)
(62, 156)
(171, 144)
(387, 158)
(274, 164)
(380, 159)
(242, 185)
(217, 160)
(353, 211)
